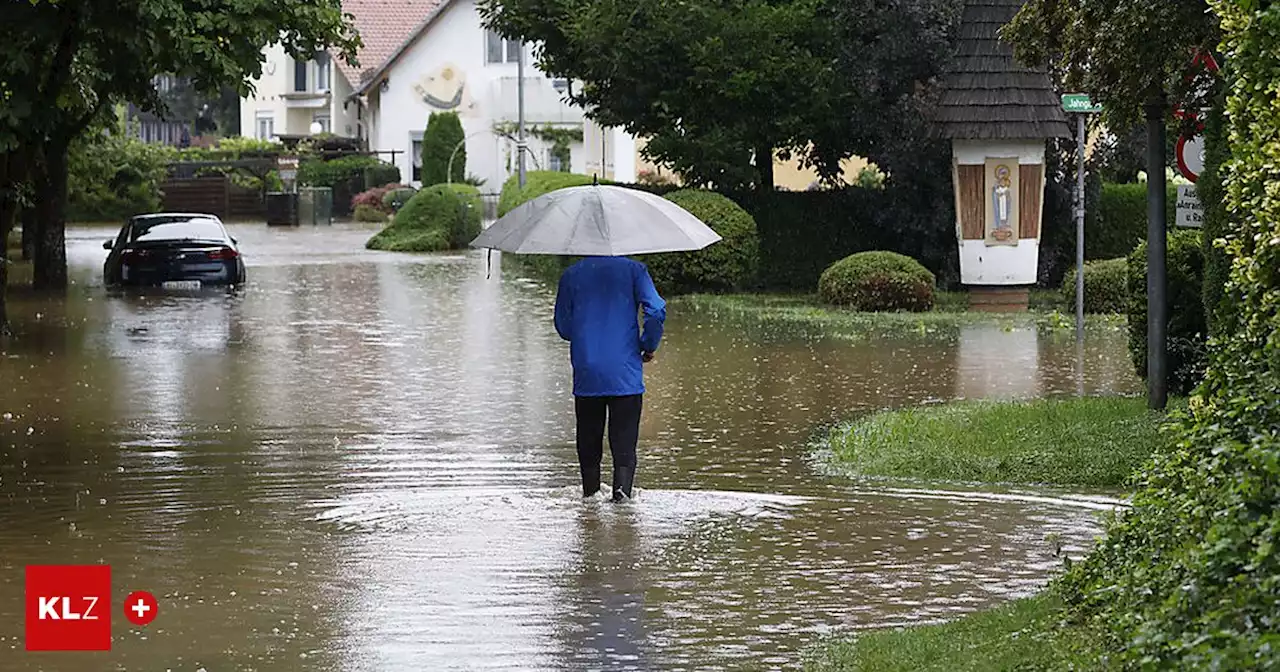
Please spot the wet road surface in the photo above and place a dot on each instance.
(364, 461)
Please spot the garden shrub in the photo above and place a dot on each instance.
(537, 183)
(444, 216)
(724, 266)
(1105, 286)
(395, 199)
(322, 173)
(443, 133)
(112, 176)
(382, 173)
(878, 281)
(1188, 577)
(368, 213)
(1122, 220)
(1187, 329)
(375, 198)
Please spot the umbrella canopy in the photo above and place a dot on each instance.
(597, 221)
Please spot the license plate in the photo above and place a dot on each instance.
(181, 284)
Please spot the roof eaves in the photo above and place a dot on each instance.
(371, 77)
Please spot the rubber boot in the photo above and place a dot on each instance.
(590, 480)
(623, 479)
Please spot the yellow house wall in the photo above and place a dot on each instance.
(786, 174)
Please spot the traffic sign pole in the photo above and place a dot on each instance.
(1080, 104)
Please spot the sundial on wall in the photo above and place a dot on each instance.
(445, 89)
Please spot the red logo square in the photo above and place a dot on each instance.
(68, 607)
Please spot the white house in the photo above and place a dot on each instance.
(423, 56)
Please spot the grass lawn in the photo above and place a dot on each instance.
(1091, 441)
(1022, 635)
(950, 311)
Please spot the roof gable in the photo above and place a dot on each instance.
(384, 27)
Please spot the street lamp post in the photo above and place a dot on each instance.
(521, 146)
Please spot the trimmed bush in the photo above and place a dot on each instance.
(322, 173)
(368, 213)
(537, 183)
(395, 199)
(1122, 220)
(1105, 286)
(381, 174)
(444, 132)
(1187, 328)
(440, 217)
(878, 281)
(725, 266)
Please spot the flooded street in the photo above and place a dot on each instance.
(364, 461)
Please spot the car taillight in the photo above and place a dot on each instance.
(224, 254)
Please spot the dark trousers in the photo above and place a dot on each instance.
(622, 415)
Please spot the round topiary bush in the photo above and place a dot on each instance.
(440, 217)
(1104, 286)
(878, 281)
(394, 199)
(725, 266)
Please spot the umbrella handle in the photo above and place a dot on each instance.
(488, 264)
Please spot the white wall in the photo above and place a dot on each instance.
(267, 89)
(268, 98)
(981, 264)
(456, 40)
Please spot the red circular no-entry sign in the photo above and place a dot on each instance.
(1191, 156)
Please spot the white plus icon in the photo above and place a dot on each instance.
(141, 608)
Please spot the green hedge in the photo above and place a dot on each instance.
(368, 213)
(878, 281)
(804, 232)
(1187, 329)
(1105, 286)
(722, 267)
(536, 183)
(440, 217)
(444, 133)
(112, 176)
(1122, 220)
(380, 175)
(346, 175)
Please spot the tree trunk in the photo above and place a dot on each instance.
(12, 175)
(30, 227)
(764, 168)
(51, 204)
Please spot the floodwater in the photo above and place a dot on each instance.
(364, 461)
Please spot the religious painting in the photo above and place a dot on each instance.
(1002, 223)
(445, 90)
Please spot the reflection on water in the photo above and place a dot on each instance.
(364, 461)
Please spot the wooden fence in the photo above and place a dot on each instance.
(214, 195)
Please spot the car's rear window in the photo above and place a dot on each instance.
(194, 229)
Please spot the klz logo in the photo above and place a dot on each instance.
(68, 607)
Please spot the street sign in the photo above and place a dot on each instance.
(1190, 210)
(1079, 103)
(1191, 156)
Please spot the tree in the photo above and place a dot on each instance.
(64, 64)
(1123, 53)
(719, 88)
(444, 133)
(712, 84)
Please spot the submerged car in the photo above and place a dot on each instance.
(174, 251)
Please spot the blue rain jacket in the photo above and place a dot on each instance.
(597, 310)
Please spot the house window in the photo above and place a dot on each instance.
(300, 76)
(323, 69)
(415, 157)
(500, 50)
(266, 126)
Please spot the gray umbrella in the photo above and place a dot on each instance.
(597, 221)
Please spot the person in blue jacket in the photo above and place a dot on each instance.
(597, 311)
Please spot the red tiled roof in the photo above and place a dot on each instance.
(383, 25)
